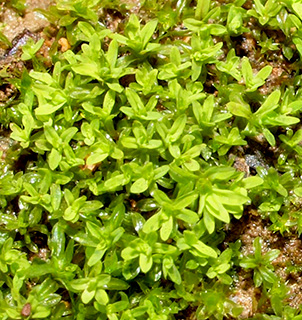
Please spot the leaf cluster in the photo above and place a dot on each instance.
(114, 202)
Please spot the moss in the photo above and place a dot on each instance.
(151, 162)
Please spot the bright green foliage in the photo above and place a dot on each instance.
(137, 39)
(31, 48)
(121, 180)
(266, 116)
(265, 13)
(261, 264)
(230, 66)
(252, 82)
(19, 5)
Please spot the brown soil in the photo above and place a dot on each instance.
(247, 229)
(19, 29)
(32, 20)
(247, 45)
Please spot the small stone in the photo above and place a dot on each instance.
(64, 44)
(26, 310)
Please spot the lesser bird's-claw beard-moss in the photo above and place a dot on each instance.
(151, 161)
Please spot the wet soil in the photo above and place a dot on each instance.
(15, 24)
(19, 28)
(250, 226)
(249, 44)
(288, 265)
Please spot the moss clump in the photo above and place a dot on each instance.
(157, 128)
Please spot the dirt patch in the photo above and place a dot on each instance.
(14, 24)
(246, 230)
(19, 29)
(249, 44)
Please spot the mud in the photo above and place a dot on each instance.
(19, 28)
(15, 24)
(250, 226)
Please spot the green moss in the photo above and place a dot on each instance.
(115, 202)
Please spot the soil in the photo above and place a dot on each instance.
(250, 226)
(32, 20)
(19, 29)
(248, 44)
